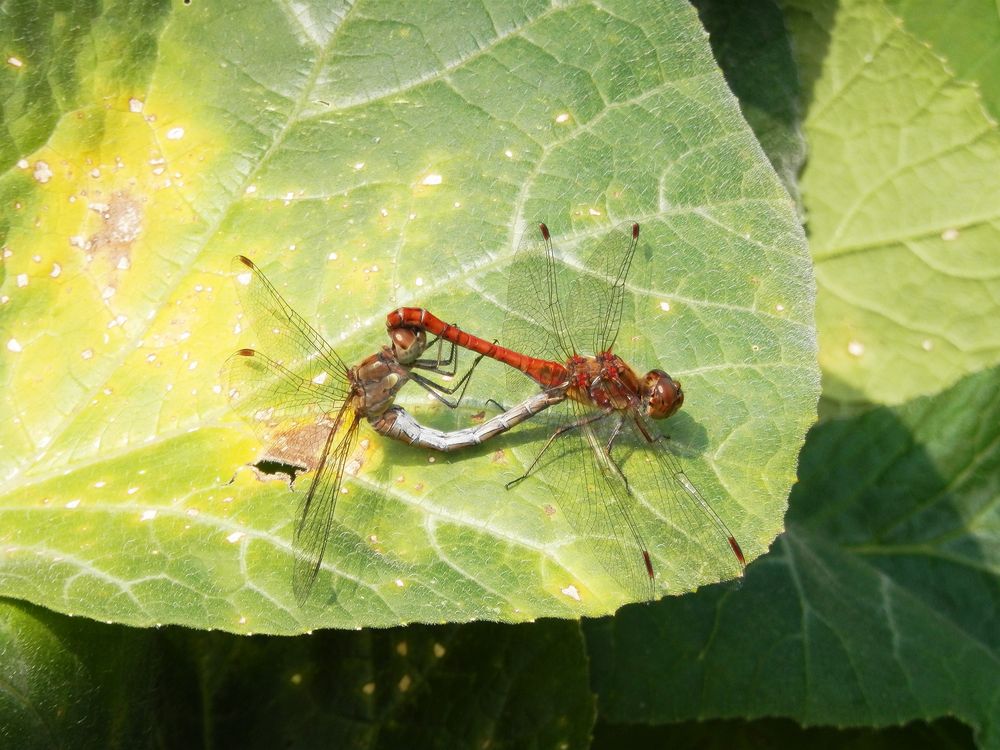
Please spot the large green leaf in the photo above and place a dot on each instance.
(752, 46)
(966, 34)
(468, 686)
(72, 682)
(876, 607)
(779, 734)
(368, 157)
(901, 191)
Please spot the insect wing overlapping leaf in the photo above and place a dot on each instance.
(594, 296)
(296, 394)
(693, 541)
(533, 322)
(290, 391)
(316, 510)
(284, 335)
(291, 416)
(591, 492)
(555, 309)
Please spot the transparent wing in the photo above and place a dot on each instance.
(315, 517)
(533, 323)
(556, 310)
(589, 489)
(290, 415)
(283, 334)
(305, 424)
(694, 542)
(618, 516)
(594, 297)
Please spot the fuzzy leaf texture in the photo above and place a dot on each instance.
(365, 157)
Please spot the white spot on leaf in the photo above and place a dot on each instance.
(572, 592)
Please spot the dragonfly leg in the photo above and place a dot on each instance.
(607, 449)
(562, 430)
(650, 438)
(644, 431)
(440, 363)
(436, 389)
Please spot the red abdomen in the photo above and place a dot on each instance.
(542, 371)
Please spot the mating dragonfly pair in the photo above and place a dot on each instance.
(603, 409)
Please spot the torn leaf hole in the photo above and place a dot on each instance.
(266, 470)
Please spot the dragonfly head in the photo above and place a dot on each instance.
(661, 394)
(407, 344)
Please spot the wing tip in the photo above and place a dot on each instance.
(737, 551)
(649, 564)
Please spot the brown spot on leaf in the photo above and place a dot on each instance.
(299, 446)
(122, 218)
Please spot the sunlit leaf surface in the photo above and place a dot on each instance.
(365, 157)
(900, 191)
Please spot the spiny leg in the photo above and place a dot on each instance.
(560, 431)
(436, 389)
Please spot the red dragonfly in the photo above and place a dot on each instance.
(610, 469)
(302, 393)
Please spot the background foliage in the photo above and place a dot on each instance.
(876, 607)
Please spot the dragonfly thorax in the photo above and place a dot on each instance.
(376, 381)
(605, 381)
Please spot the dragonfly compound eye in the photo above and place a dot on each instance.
(663, 394)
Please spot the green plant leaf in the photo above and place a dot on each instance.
(368, 157)
(901, 195)
(778, 734)
(752, 46)
(966, 34)
(876, 607)
(475, 685)
(71, 682)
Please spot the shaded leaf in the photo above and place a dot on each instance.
(945, 734)
(752, 46)
(478, 685)
(878, 605)
(73, 683)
